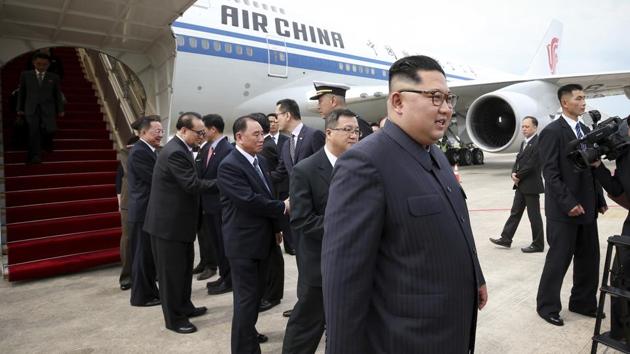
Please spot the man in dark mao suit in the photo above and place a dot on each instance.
(140, 164)
(172, 219)
(41, 101)
(572, 199)
(250, 228)
(400, 272)
(527, 187)
(309, 193)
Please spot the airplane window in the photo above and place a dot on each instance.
(265, 6)
(228, 47)
(347, 67)
(193, 42)
(255, 3)
(273, 8)
(239, 50)
(246, 2)
(361, 69)
(354, 68)
(249, 51)
(281, 57)
(384, 73)
(180, 41)
(372, 71)
(237, 1)
(217, 46)
(340, 66)
(282, 11)
(205, 44)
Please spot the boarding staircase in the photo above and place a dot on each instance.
(59, 216)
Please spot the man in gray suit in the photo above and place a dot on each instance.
(527, 187)
(400, 272)
(40, 100)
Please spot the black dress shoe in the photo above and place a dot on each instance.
(219, 289)
(501, 242)
(198, 311)
(207, 273)
(153, 302)
(553, 318)
(287, 313)
(592, 313)
(531, 249)
(267, 305)
(185, 328)
(289, 251)
(199, 268)
(125, 286)
(261, 338)
(215, 283)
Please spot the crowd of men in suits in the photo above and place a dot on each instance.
(380, 228)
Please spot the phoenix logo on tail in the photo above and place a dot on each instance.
(552, 47)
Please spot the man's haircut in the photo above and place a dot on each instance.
(261, 118)
(144, 123)
(407, 68)
(40, 55)
(374, 124)
(186, 120)
(132, 140)
(567, 89)
(533, 119)
(272, 115)
(240, 124)
(214, 120)
(333, 117)
(289, 105)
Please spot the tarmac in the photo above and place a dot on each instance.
(88, 313)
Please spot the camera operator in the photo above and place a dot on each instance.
(616, 185)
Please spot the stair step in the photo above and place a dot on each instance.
(23, 169)
(82, 144)
(35, 212)
(22, 183)
(61, 265)
(62, 245)
(78, 115)
(82, 134)
(81, 123)
(62, 194)
(63, 155)
(43, 228)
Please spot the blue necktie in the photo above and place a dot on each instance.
(260, 174)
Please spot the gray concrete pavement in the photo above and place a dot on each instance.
(87, 313)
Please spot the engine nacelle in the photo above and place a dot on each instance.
(493, 121)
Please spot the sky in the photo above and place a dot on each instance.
(502, 35)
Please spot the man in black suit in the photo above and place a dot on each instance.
(208, 161)
(172, 219)
(40, 100)
(330, 96)
(140, 165)
(572, 199)
(309, 193)
(400, 272)
(250, 228)
(527, 187)
(303, 142)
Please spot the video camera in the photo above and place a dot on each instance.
(606, 138)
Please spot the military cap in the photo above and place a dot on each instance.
(322, 88)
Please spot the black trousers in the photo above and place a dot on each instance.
(274, 289)
(248, 281)
(287, 233)
(520, 202)
(125, 250)
(566, 242)
(207, 244)
(37, 135)
(306, 325)
(619, 307)
(174, 261)
(143, 288)
(215, 225)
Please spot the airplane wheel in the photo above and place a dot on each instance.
(465, 157)
(477, 156)
(453, 156)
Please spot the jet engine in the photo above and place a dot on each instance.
(493, 121)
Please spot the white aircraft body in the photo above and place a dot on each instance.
(238, 57)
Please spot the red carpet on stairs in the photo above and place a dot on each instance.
(60, 216)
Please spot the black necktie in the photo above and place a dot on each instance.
(40, 78)
(523, 145)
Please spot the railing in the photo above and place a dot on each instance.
(122, 95)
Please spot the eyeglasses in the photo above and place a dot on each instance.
(200, 133)
(437, 97)
(157, 131)
(349, 130)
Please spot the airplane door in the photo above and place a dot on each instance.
(277, 58)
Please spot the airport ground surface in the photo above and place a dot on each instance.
(87, 313)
